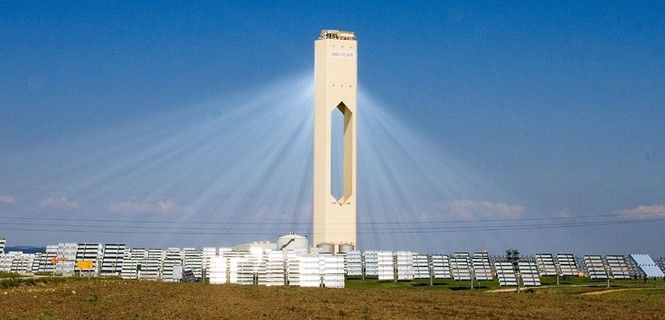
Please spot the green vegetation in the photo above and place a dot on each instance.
(18, 281)
(4, 275)
(449, 284)
(15, 280)
(572, 284)
(436, 284)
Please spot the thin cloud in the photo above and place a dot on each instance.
(486, 209)
(647, 211)
(59, 203)
(7, 199)
(161, 207)
(563, 214)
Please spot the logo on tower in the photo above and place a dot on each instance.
(342, 54)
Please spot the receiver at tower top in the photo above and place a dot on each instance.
(335, 83)
(337, 34)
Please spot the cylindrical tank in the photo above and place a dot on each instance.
(292, 242)
(326, 247)
(345, 247)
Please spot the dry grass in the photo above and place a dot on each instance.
(154, 300)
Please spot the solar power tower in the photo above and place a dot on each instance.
(335, 82)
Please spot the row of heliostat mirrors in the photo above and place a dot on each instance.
(404, 265)
(222, 265)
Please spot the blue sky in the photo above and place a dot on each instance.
(136, 112)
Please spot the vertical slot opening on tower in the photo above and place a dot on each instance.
(337, 153)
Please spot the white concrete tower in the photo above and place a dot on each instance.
(335, 83)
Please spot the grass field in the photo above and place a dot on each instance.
(362, 299)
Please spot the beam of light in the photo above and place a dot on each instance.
(238, 168)
(404, 176)
(235, 158)
(248, 158)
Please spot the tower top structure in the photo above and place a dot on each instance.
(337, 35)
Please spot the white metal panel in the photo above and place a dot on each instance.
(505, 273)
(652, 271)
(217, 272)
(89, 252)
(250, 266)
(647, 265)
(48, 259)
(172, 257)
(371, 264)
(595, 267)
(353, 264)
(546, 265)
(642, 259)
(208, 254)
(151, 264)
(233, 269)
(18, 261)
(404, 265)
(386, 269)
(482, 267)
(293, 268)
(529, 273)
(275, 269)
(460, 266)
(6, 262)
(246, 269)
(619, 268)
(309, 270)
(128, 270)
(421, 266)
(567, 264)
(132, 262)
(66, 258)
(36, 261)
(331, 268)
(193, 261)
(441, 266)
(112, 259)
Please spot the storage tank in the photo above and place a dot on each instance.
(326, 247)
(292, 242)
(345, 247)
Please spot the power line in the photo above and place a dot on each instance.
(403, 222)
(371, 197)
(421, 229)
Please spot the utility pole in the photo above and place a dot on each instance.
(395, 272)
(363, 266)
(431, 275)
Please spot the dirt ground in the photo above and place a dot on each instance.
(592, 293)
(120, 299)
